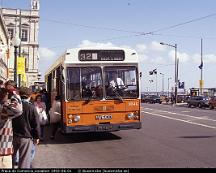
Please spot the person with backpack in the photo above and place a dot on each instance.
(26, 129)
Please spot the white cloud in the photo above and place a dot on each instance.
(47, 57)
(207, 58)
(46, 54)
(156, 46)
(158, 60)
(141, 48)
(143, 58)
(87, 43)
(126, 46)
(183, 57)
(196, 58)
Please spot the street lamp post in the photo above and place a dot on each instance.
(162, 82)
(176, 68)
(16, 43)
(168, 86)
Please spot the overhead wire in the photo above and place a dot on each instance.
(184, 23)
(90, 26)
(184, 36)
(135, 33)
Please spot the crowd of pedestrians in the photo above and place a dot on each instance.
(23, 115)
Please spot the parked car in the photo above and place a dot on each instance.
(143, 96)
(152, 99)
(198, 101)
(182, 98)
(212, 102)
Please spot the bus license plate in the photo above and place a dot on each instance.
(107, 127)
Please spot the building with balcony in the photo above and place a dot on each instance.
(25, 25)
(4, 47)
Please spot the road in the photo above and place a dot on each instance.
(171, 137)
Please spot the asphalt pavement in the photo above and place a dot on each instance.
(170, 137)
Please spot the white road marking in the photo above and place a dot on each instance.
(200, 118)
(185, 111)
(177, 119)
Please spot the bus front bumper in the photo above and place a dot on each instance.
(102, 127)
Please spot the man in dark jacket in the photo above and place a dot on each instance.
(26, 129)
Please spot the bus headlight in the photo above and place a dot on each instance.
(70, 116)
(136, 115)
(73, 118)
(76, 118)
(133, 115)
(130, 116)
(70, 121)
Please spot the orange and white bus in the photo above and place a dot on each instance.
(38, 85)
(89, 103)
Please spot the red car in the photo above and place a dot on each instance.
(212, 102)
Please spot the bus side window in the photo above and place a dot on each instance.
(73, 84)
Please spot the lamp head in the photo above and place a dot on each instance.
(16, 41)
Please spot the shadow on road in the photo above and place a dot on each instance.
(196, 137)
(77, 137)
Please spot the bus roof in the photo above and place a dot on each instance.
(70, 56)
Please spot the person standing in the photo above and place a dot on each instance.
(10, 85)
(46, 100)
(55, 116)
(116, 82)
(1, 84)
(8, 110)
(41, 109)
(26, 129)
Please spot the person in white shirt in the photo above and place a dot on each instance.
(116, 82)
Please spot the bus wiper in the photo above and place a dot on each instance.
(118, 95)
(87, 101)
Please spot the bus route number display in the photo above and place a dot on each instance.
(101, 55)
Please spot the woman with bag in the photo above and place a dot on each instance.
(41, 109)
(55, 116)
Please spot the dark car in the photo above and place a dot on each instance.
(151, 99)
(212, 102)
(182, 98)
(143, 96)
(198, 101)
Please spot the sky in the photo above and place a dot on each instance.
(75, 23)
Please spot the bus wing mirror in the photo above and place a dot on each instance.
(140, 74)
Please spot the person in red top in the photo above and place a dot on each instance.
(9, 109)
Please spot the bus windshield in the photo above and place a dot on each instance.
(121, 82)
(87, 83)
(84, 83)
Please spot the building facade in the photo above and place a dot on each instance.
(4, 47)
(25, 25)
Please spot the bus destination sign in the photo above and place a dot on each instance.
(101, 55)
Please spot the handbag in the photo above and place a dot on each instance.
(43, 118)
(54, 117)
